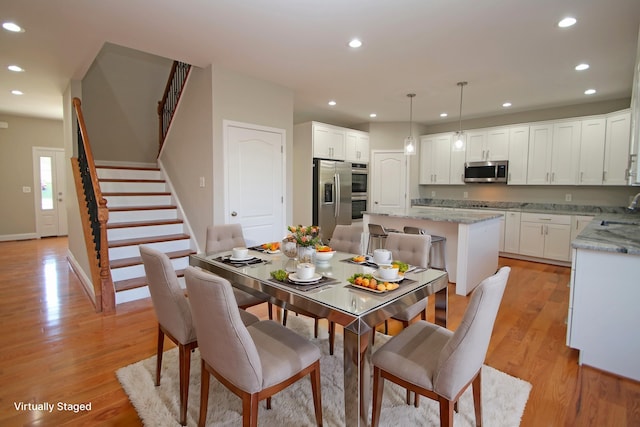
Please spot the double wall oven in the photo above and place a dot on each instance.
(359, 188)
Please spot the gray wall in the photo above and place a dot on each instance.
(121, 91)
(17, 210)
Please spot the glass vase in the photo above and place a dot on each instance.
(305, 253)
(290, 250)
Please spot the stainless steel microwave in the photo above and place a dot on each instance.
(490, 171)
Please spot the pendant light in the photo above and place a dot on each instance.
(458, 138)
(410, 142)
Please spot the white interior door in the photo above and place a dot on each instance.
(49, 184)
(389, 181)
(255, 181)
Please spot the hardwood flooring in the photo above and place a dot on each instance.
(55, 348)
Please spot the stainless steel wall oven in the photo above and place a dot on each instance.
(359, 189)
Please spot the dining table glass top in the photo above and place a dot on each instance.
(334, 292)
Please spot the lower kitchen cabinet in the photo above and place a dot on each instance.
(545, 236)
(512, 232)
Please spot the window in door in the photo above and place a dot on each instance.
(46, 183)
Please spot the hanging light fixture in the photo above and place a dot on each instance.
(410, 142)
(458, 138)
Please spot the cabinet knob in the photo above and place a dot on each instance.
(234, 213)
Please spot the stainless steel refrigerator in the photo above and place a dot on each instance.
(331, 195)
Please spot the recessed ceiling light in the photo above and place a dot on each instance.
(589, 91)
(15, 68)
(373, 115)
(567, 22)
(355, 43)
(582, 67)
(332, 103)
(13, 27)
(17, 92)
(443, 114)
(506, 105)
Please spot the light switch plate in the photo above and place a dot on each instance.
(202, 181)
(26, 189)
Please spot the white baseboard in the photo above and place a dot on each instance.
(84, 279)
(23, 236)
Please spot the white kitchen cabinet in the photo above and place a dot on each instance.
(616, 152)
(592, 151)
(435, 155)
(456, 164)
(578, 223)
(488, 144)
(357, 146)
(545, 236)
(554, 150)
(328, 142)
(512, 232)
(518, 154)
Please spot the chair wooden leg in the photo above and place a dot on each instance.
(185, 369)
(386, 327)
(477, 401)
(408, 397)
(250, 410)
(332, 336)
(159, 354)
(269, 402)
(270, 310)
(204, 394)
(315, 389)
(284, 317)
(315, 328)
(378, 389)
(446, 412)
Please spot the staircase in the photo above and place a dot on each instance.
(141, 212)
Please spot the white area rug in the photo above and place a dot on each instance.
(503, 397)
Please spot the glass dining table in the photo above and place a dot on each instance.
(358, 310)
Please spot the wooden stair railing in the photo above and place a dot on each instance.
(167, 106)
(94, 216)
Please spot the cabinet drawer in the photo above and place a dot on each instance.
(546, 218)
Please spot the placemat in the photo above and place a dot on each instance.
(322, 282)
(227, 260)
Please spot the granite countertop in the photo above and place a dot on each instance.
(439, 215)
(611, 233)
(549, 208)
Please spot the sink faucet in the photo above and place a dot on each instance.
(634, 203)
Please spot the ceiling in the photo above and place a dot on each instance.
(508, 50)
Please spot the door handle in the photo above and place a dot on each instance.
(234, 213)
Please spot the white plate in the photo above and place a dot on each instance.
(380, 279)
(247, 258)
(366, 259)
(294, 278)
(277, 251)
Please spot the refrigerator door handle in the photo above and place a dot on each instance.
(336, 181)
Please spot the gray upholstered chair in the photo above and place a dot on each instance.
(224, 238)
(253, 362)
(347, 238)
(412, 249)
(174, 317)
(434, 362)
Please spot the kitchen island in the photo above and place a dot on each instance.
(472, 240)
(603, 315)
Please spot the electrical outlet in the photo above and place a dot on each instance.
(202, 181)
(465, 194)
(433, 194)
(26, 189)
(567, 197)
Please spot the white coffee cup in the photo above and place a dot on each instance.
(305, 270)
(382, 256)
(239, 253)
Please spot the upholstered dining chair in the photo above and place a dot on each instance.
(174, 317)
(225, 237)
(253, 362)
(412, 249)
(434, 362)
(347, 238)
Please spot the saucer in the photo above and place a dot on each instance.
(294, 278)
(398, 278)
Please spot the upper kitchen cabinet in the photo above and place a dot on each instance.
(488, 144)
(435, 155)
(328, 141)
(518, 154)
(592, 151)
(357, 146)
(554, 150)
(616, 149)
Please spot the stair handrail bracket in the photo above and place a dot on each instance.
(95, 216)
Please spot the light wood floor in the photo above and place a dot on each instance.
(55, 348)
